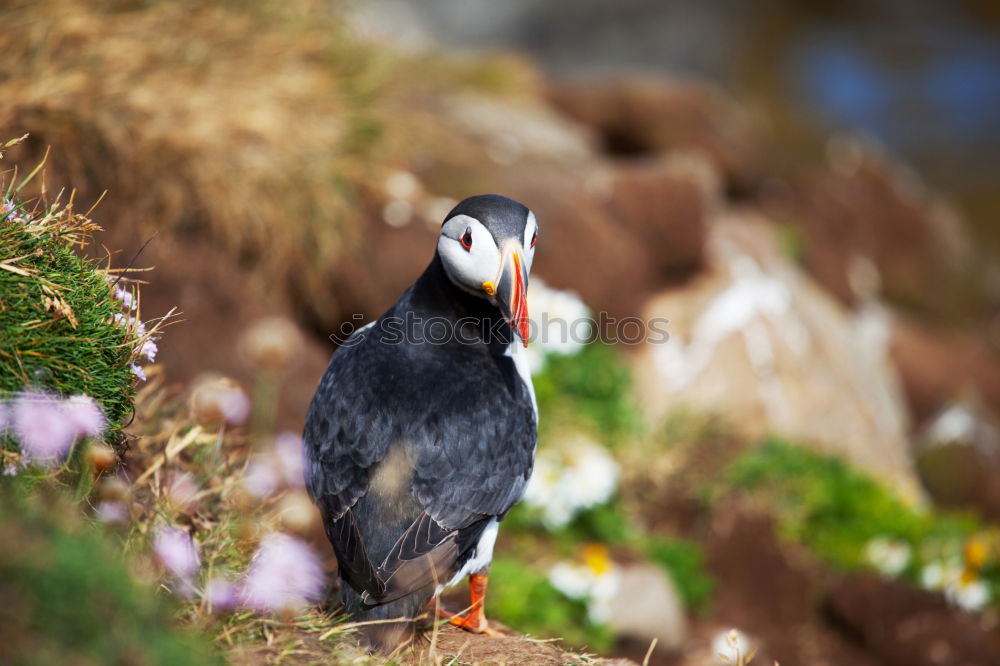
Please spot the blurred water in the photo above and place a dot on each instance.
(926, 92)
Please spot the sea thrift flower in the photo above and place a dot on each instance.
(42, 427)
(271, 343)
(137, 371)
(111, 512)
(125, 296)
(285, 575)
(175, 550)
(288, 451)
(219, 399)
(261, 478)
(149, 350)
(4, 417)
(85, 416)
(220, 594)
(182, 490)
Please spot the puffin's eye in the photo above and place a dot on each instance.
(534, 238)
(466, 239)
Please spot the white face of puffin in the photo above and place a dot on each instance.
(476, 263)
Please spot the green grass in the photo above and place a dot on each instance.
(836, 509)
(527, 601)
(591, 389)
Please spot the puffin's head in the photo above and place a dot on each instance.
(487, 243)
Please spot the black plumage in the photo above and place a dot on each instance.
(420, 432)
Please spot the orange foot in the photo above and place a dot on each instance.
(475, 621)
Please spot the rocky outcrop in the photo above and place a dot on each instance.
(754, 340)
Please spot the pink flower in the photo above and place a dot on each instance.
(85, 415)
(149, 350)
(182, 489)
(261, 480)
(220, 594)
(43, 428)
(125, 296)
(111, 512)
(137, 371)
(288, 449)
(4, 417)
(235, 406)
(285, 575)
(175, 550)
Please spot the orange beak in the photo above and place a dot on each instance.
(511, 291)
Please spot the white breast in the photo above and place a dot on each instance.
(517, 353)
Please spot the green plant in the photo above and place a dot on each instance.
(527, 600)
(591, 386)
(837, 510)
(684, 561)
(68, 596)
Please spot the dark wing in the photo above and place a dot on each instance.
(345, 434)
(473, 464)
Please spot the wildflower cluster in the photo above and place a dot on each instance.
(144, 341)
(284, 575)
(46, 427)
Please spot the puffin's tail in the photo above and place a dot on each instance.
(392, 623)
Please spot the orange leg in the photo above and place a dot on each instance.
(475, 620)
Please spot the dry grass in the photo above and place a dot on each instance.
(259, 127)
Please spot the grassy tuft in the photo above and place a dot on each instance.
(57, 313)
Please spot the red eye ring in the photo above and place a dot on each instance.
(466, 239)
(534, 238)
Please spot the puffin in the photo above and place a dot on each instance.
(421, 435)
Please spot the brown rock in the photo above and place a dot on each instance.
(865, 206)
(905, 626)
(939, 365)
(647, 606)
(647, 115)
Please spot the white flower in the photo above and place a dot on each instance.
(573, 580)
(586, 476)
(969, 594)
(560, 322)
(888, 556)
(960, 586)
(595, 580)
(730, 646)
